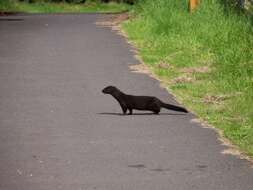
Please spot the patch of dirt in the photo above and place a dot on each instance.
(218, 99)
(238, 119)
(212, 99)
(183, 79)
(113, 19)
(164, 65)
(204, 69)
(140, 68)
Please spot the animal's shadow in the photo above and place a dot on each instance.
(121, 114)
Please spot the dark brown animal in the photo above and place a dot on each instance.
(130, 102)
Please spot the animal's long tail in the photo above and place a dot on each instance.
(172, 107)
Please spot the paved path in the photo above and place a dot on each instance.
(58, 131)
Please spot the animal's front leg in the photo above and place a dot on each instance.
(130, 111)
(124, 109)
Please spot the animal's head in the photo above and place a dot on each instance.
(109, 89)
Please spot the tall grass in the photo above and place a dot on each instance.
(211, 36)
(5, 5)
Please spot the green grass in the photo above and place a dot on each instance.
(210, 37)
(44, 7)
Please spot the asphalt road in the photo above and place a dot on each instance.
(58, 131)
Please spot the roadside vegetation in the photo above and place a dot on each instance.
(58, 6)
(205, 58)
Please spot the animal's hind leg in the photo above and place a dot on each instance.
(155, 108)
(156, 112)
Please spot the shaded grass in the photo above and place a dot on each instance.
(44, 7)
(212, 37)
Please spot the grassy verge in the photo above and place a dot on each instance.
(43, 7)
(206, 58)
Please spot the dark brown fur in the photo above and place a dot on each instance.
(130, 102)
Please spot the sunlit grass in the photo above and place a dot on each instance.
(212, 38)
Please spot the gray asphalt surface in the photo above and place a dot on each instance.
(58, 131)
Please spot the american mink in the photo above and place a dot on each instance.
(130, 102)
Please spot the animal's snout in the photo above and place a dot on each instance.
(104, 91)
